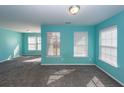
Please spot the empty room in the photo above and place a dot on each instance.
(61, 46)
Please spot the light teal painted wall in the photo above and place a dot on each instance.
(10, 44)
(118, 72)
(67, 42)
(25, 50)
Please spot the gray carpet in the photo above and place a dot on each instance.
(27, 72)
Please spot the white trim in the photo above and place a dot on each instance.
(110, 75)
(81, 56)
(87, 34)
(89, 65)
(78, 64)
(5, 60)
(50, 56)
(108, 29)
(113, 65)
(8, 59)
(68, 64)
(59, 43)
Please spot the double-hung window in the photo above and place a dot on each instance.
(34, 43)
(108, 45)
(38, 43)
(81, 44)
(53, 43)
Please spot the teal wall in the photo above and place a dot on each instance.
(67, 42)
(13, 44)
(118, 72)
(67, 39)
(10, 44)
(25, 50)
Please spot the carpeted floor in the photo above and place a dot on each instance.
(27, 72)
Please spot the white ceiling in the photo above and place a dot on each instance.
(23, 18)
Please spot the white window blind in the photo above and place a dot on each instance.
(81, 44)
(31, 43)
(34, 43)
(108, 45)
(53, 43)
(38, 43)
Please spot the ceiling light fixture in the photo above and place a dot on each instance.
(74, 9)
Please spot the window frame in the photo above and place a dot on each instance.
(87, 45)
(115, 64)
(38, 43)
(29, 44)
(59, 45)
(35, 44)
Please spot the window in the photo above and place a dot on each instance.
(53, 43)
(31, 43)
(81, 44)
(108, 45)
(34, 43)
(39, 43)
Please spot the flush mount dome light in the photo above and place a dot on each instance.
(74, 9)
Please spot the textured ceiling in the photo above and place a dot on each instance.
(21, 18)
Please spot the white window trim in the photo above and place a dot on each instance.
(87, 46)
(99, 57)
(53, 56)
(36, 43)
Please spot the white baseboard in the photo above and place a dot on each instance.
(78, 64)
(110, 75)
(89, 65)
(67, 64)
(4, 60)
(8, 59)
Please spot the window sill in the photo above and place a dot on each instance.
(80, 56)
(34, 50)
(54, 56)
(113, 65)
